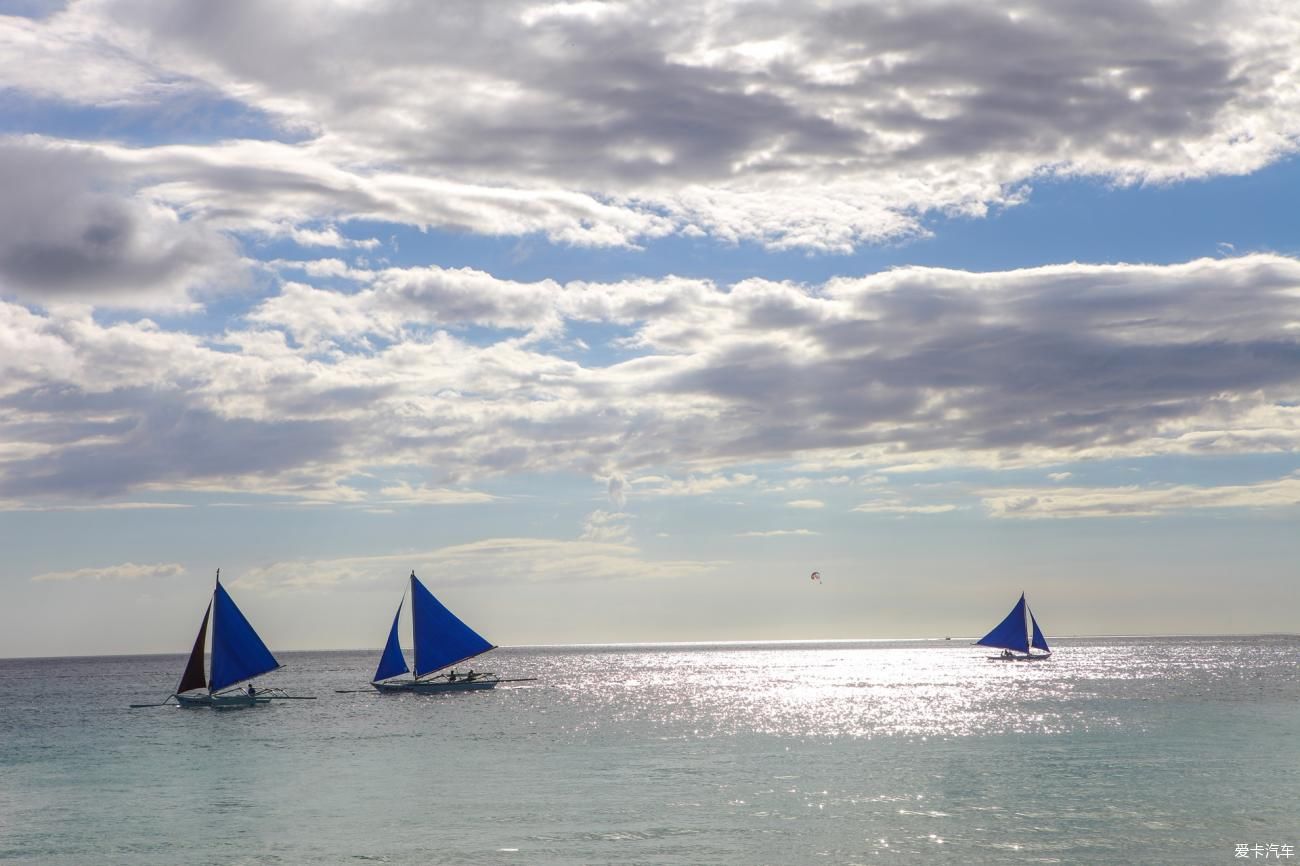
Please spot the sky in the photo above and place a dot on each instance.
(616, 320)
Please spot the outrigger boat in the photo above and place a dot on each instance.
(441, 640)
(1016, 634)
(238, 655)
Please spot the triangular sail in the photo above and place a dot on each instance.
(392, 662)
(1039, 641)
(440, 638)
(238, 654)
(1011, 632)
(194, 677)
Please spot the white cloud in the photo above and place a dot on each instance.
(607, 527)
(405, 494)
(805, 503)
(125, 571)
(804, 482)
(893, 506)
(94, 506)
(1138, 501)
(489, 561)
(772, 533)
(654, 485)
(328, 237)
(634, 120)
(914, 369)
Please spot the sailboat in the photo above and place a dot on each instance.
(1016, 634)
(441, 640)
(238, 655)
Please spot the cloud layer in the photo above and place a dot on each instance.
(792, 125)
(911, 369)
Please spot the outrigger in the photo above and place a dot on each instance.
(441, 641)
(1015, 636)
(238, 656)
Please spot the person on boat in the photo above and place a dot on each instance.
(1007, 654)
(469, 677)
(252, 690)
(451, 676)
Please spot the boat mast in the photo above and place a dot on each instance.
(214, 624)
(1028, 636)
(415, 646)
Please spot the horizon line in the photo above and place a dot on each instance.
(704, 643)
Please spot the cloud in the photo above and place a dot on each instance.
(94, 506)
(893, 506)
(1138, 501)
(791, 125)
(616, 489)
(805, 503)
(802, 482)
(276, 189)
(654, 485)
(395, 300)
(772, 533)
(914, 369)
(489, 561)
(607, 527)
(405, 494)
(71, 231)
(328, 237)
(125, 571)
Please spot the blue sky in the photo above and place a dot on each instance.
(615, 321)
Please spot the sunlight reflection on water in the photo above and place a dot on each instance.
(840, 753)
(820, 692)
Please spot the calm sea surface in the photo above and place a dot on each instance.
(1118, 750)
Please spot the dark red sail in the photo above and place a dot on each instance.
(194, 678)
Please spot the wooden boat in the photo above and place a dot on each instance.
(238, 656)
(441, 640)
(1017, 636)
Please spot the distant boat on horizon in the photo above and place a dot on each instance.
(441, 640)
(1017, 633)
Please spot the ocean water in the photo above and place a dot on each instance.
(1118, 750)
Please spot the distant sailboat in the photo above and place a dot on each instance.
(441, 640)
(238, 655)
(1016, 634)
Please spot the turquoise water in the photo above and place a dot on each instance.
(1146, 750)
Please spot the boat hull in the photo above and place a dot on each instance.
(1019, 658)
(433, 687)
(220, 702)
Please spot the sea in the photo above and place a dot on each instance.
(1166, 750)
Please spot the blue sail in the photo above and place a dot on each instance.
(1039, 642)
(238, 654)
(1010, 633)
(440, 638)
(392, 662)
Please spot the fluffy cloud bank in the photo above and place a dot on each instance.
(793, 125)
(909, 369)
